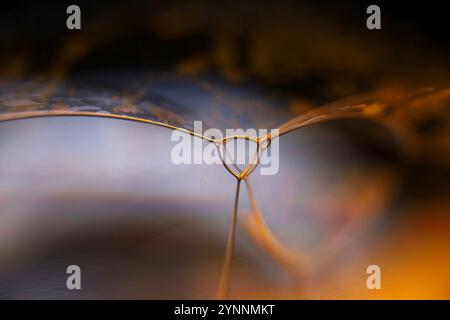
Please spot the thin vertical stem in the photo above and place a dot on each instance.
(224, 285)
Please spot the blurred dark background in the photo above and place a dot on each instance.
(319, 49)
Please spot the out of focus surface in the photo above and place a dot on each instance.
(103, 193)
